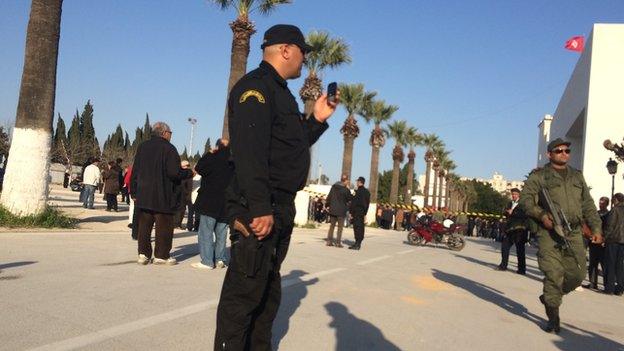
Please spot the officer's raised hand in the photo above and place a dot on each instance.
(324, 108)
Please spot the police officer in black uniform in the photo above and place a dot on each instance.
(270, 144)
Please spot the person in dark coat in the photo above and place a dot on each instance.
(187, 202)
(338, 203)
(359, 209)
(155, 188)
(111, 186)
(515, 234)
(216, 171)
(614, 247)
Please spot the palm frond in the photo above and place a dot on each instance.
(265, 7)
(326, 52)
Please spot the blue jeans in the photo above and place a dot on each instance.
(208, 251)
(89, 194)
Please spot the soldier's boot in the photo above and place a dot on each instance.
(593, 279)
(554, 323)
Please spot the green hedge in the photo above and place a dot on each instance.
(49, 218)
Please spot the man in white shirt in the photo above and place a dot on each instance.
(90, 180)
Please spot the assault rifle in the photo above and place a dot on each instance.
(561, 225)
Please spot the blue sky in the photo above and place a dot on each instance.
(480, 74)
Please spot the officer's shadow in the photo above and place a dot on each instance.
(295, 291)
(571, 337)
(353, 333)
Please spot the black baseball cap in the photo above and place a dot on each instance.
(553, 144)
(285, 34)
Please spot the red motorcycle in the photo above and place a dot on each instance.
(427, 231)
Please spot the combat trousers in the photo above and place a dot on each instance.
(517, 238)
(561, 272)
(358, 228)
(251, 292)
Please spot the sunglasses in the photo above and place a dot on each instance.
(559, 151)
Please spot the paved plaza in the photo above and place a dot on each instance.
(82, 289)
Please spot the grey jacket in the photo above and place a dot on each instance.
(338, 200)
(614, 232)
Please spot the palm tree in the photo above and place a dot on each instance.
(356, 101)
(378, 112)
(398, 132)
(242, 28)
(447, 165)
(413, 139)
(25, 193)
(440, 156)
(431, 142)
(326, 52)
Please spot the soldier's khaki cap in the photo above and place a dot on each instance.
(557, 142)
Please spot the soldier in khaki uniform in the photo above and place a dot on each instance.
(568, 190)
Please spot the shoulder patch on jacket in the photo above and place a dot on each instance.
(250, 93)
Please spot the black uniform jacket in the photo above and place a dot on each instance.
(216, 172)
(156, 176)
(360, 202)
(269, 138)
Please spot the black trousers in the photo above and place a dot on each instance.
(111, 201)
(615, 267)
(164, 233)
(358, 228)
(596, 257)
(517, 238)
(251, 292)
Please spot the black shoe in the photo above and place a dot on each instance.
(130, 225)
(354, 247)
(500, 268)
(521, 272)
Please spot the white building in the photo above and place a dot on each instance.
(499, 183)
(591, 109)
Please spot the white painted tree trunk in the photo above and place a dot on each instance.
(25, 187)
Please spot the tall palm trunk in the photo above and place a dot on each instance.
(309, 93)
(435, 188)
(447, 197)
(409, 189)
(394, 188)
(440, 189)
(350, 131)
(25, 193)
(374, 173)
(397, 157)
(427, 177)
(377, 141)
(242, 29)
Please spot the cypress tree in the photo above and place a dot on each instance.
(90, 148)
(207, 147)
(74, 142)
(59, 139)
(184, 155)
(147, 128)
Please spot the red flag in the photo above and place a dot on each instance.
(575, 43)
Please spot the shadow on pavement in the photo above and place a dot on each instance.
(572, 338)
(532, 273)
(184, 252)
(16, 264)
(290, 303)
(184, 234)
(353, 333)
(103, 219)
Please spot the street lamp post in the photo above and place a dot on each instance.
(193, 121)
(612, 168)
